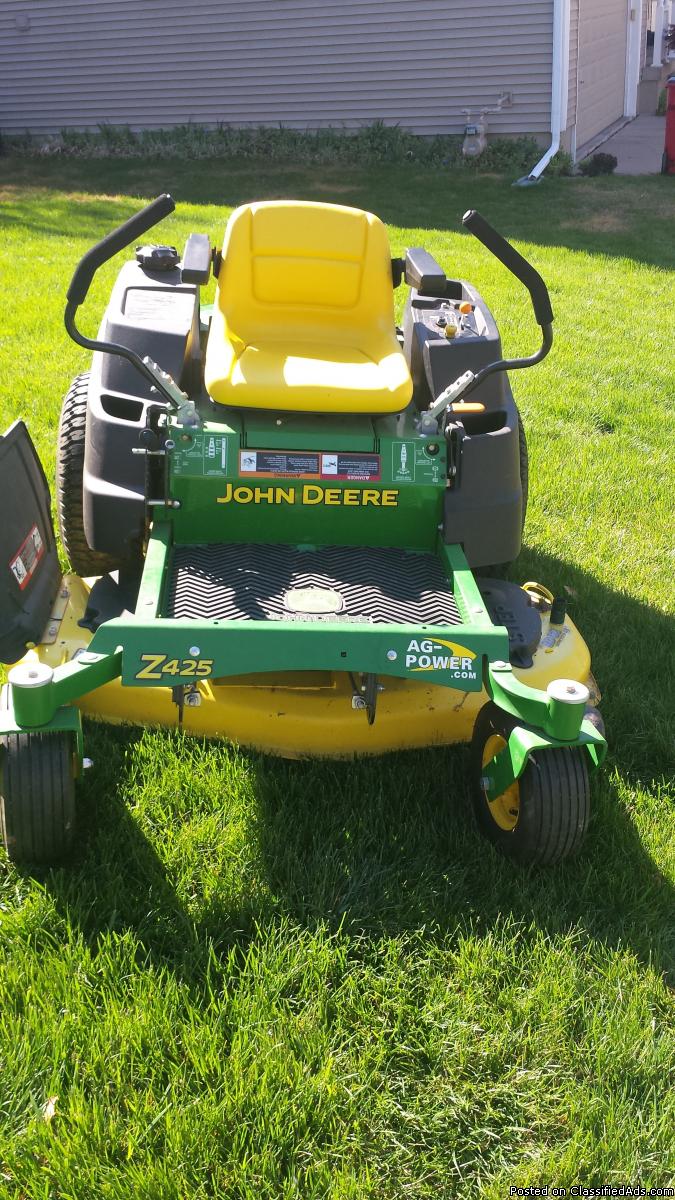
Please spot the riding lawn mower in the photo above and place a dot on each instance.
(285, 519)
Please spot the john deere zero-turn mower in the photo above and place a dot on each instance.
(283, 516)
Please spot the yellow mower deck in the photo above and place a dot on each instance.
(304, 713)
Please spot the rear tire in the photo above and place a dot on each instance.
(524, 465)
(37, 796)
(543, 818)
(69, 483)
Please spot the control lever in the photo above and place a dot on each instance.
(428, 421)
(84, 272)
(514, 261)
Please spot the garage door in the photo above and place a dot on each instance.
(603, 26)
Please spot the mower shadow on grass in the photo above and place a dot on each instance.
(390, 845)
(118, 879)
(357, 850)
(409, 863)
(375, 848)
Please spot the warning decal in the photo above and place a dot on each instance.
(350, 466)
(24, 563)
(300, 464)
(280, 464)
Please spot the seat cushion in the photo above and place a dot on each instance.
(303, 318)
(312, 378)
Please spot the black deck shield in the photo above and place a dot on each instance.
(29, 564)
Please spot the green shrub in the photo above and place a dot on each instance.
(598, 164)
(508, 154)
(561, 164)
(377, 143)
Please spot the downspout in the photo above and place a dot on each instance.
(560, 66)
(659, 32)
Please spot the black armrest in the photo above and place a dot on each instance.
(423, 272)
(197, 259)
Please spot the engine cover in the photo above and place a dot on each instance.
(155, 314)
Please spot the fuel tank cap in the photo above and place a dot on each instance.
(157, 258)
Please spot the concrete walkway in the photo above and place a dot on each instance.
(638, 147)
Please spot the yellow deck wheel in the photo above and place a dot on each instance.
(505, 809)
(542, 817)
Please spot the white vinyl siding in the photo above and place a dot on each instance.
(299, 63)
(603, 26)
(573, 63)
(647, 23)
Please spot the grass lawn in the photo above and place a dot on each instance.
(267, 980)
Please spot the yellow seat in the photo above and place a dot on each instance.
(304, 313)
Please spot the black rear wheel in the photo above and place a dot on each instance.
(524, 464)
(37, 796)
(69, 481)
(543, 817)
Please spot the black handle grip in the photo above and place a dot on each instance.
(129, 232)
(519, 266)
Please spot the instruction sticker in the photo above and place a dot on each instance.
(215, 454)
(201, 455)
(24, 563)
(299, 464)
(412, 462)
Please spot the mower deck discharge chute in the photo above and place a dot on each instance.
(283, 516)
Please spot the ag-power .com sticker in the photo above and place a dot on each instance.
(437, 654)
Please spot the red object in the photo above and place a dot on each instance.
(669, 150)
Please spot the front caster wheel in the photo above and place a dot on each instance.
(542, 818)
(37, 796)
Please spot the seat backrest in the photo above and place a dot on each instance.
(299, 269)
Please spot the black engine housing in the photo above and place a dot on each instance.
(155, 314)
(484, 500)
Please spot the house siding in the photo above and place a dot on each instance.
(647, 19)
(301, 63)
(573, 64)
(601, 68)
